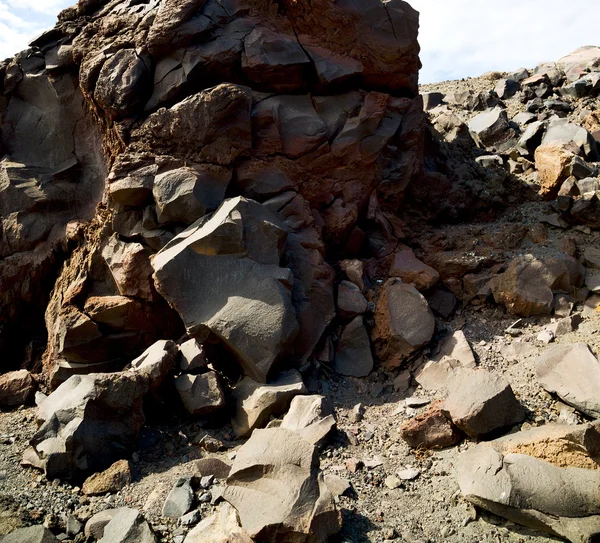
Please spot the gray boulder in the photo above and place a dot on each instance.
(571, 372)
(255, 403)
(87, 424)
(180, 499)
(491, 129)
(350, 300)
(191, 356)
(564, 131)
(480, 402)
(544, 478)
(156, 363)
(293, 503)
(128, 526)
(223, 274)
(531, 138)
(94, 527)
(353, 355)
(201, 395)
(507, 88)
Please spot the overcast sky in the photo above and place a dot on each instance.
(459, 38)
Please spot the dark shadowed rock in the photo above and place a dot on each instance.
(403, 322)
(202, 394)
(88, 423)
(353, 355)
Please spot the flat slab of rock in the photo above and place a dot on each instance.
(311, 417)
(481, 402)
(572, 372)
(128, 526)
(294, 499)
(544, 478)
(403, 322)
(16, 388)
(111, 480)
(255, 402)
(353, 355)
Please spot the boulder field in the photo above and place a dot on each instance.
(233, 232)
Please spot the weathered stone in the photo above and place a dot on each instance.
(411, 270)
(507, 88)
(221, 527)
(480, 402)
(552, 160)
(212, 466)
(33, 534)
(113, 479)
(353, 354)
(403, 322)
(350, 301)
(293, 500)
(452, 129)
(88, 423)
(186, 194)
(123, 83)
(563, 131)
(201, 394)
(128, 526)
(191, 356)
(430, 430)
(239, 248)
(526, 287)
(156, 363)
(536, 478)
(311, 417)
(573, 373)
(94, 527)
(491, 128)
(255, 403)
(180, 499)
(16, 388)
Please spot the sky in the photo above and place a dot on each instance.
(459, 38)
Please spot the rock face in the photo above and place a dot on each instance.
(573, 373)
(292, 503)
(87, 424)
(544, 478)
(311, 130)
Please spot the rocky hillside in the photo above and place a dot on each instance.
(262, 288)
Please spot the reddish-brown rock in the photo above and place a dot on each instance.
(430, 430)
(16, 388)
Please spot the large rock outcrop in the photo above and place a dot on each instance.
(164, 113)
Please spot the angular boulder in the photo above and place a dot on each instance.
(128, 526)
(87, 424)
(255, 402)
(491, 129)
(552, 161)
(526, 288)
(403, 322)
(430, 430)
(353, 355)
(33, 534)
(111, 480)
(411, 270)
(293, 503)
(223, 275)
(480, 402)
(221, 527)
(16, 388)
(571, 372)
(310, 416)
(202, 394)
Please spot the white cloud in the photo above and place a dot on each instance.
(461, 38)
(23, 20)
